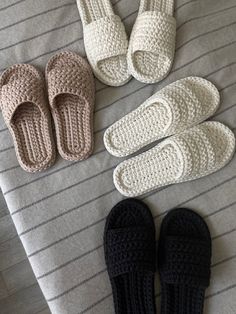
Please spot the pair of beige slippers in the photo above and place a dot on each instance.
(25, 109)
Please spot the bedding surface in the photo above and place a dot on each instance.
(60, 213)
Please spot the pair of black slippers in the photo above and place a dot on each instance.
(183, 259)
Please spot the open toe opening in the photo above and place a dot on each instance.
(183, 222)
(129, 213)
(150, 65)
(29, 128)
(71, 112)
(114, 69)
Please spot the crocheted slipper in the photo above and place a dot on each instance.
(195, 153)
(71, 95)
(152, 42)
(176, 107)
(105, 41)
(25, 112)
(184, 259)
(129, 244)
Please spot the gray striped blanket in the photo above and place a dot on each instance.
(59, 214)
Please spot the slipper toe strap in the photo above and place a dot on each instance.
(155, 32)
(27, 90)
(69, 80)
(185, 105)
(130, 250)
(186, 261)
(105, 38)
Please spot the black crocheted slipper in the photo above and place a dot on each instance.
(184, 259)
(129, 243)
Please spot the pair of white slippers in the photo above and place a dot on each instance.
(195, 150)
(150, 52)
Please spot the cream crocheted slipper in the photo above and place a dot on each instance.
(152, 42)
(25, 112)
(178, 106)
(71, 93)
(105, 41)
(192, 154)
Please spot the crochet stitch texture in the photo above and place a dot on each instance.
(105, 41)
(25, 112)
(129, 245)
(71, 93)
(152, 42)
(192, 154)
(171, 110)
(184, 259)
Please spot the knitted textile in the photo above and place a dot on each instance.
(192, 154)
(129, 244)
(105, 41)
(174, 108)
(152, 42)
(71, 93)
(184, 259)
(25, 112)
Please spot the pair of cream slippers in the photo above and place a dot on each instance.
(150, 52)
(192, 150)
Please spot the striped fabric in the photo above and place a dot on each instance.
(59, 214)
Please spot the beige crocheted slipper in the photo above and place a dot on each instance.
(105, 41)
(152, 41)
(190, 155)
(71, 93)
(171, 110)
(25, 112)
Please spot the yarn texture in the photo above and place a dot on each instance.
(192, 154)
(152, 42)
(171, 110)
(25, 112)
(71, 93)
(105, 41)
(129, 245)
(184, 259)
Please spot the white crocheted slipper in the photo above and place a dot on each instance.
(71, 92)
(178, 106)
(152, 42)
(105, 41)
(195, 153)
(25, 112)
